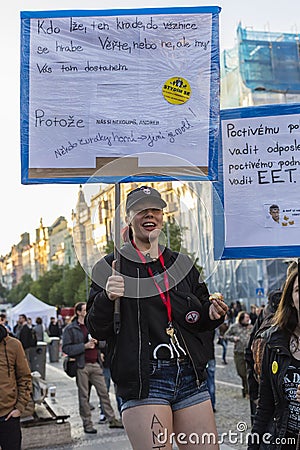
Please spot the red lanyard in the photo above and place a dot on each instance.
(165, 296)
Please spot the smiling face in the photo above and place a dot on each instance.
(146, 224)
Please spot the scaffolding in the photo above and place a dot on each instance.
(269, 61)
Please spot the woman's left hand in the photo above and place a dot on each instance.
(218, 307)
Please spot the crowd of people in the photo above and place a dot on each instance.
(151, 326)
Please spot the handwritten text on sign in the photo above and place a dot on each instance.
(107, 86)
(261, 157)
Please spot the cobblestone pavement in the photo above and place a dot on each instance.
(232, 416)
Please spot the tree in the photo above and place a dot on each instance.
(173, 236)
(73, 279)
(42, 287)
(18, 292)
(109, 248)
(56, 293)
(174, 239)
(82, 292)
(3, 292)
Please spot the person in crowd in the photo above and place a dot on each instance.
(77, 343)
(27, 336)
(253, 314)
(107, 376)
(39, 329)
(16, 328)
(209, 337)
(239, 334)
(221, 330)
(158, 358)
(237, 308)
(230, 313)
(4, 322)
(15, 389)
(54, 330)
(264, 320)
(278, 410)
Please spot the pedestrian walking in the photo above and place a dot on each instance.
(15, 389)
(27, 335)
(77, 343)
(220, 332)
(158, 358)
(278, 411)
(239, 334)
(39, 329)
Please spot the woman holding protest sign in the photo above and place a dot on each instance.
(158, 358)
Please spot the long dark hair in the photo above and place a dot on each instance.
(77, 307)
(286, 316)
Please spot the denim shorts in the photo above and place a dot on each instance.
(172, 383)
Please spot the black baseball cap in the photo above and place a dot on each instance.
(144, 194)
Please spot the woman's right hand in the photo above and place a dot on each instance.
(115, 286)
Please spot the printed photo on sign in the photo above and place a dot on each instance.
(277, 217)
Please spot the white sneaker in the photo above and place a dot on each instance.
(102, 419)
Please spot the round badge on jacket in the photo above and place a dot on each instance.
(192, 317)
(274, 367)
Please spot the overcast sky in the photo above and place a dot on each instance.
(23, 206)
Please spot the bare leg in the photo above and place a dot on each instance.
(149, 427)
(198, 427)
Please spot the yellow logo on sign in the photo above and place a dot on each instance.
(176, 90)
(274, 367)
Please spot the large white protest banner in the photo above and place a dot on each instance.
(259, 183)
(100, 85)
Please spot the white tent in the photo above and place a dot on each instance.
(32, 307)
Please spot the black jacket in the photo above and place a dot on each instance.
(129, 350)
(272, 410)
(73, 343)
(27, 337)
(262, 321)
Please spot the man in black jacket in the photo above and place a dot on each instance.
(28, 338)
(54, 330)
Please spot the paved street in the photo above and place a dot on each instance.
(232, 416)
